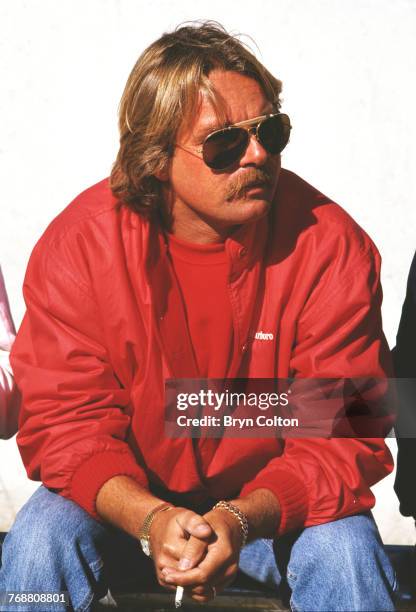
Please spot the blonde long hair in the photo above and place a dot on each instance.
(164, 89)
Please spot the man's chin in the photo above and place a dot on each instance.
(257, 206)
(248, 210)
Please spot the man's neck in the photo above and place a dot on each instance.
(199, 231)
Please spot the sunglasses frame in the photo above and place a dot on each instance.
(252, 128)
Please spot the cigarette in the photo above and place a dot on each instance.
(178, 596)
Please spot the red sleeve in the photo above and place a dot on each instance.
(73, 423)
(339, 335)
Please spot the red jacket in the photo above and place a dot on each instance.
(104, 327)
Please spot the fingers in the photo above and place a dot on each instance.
(206, 592)
(205, 574)
(170, 533)
(193, 553)
(178, 541)
(199, 532)
(201, 593)
(198, 555)
(214, 588)
(193, 524)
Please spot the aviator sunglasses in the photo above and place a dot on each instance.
(224, 147)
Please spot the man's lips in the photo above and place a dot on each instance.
(252, 189)
(255, 187)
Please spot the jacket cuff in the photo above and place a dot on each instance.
(95, 471)
(291, 494)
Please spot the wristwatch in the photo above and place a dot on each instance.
(144, 533)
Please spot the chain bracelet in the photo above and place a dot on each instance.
(240, 516)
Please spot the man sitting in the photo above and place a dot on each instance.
(171, 269)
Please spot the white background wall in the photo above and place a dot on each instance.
(348, 69)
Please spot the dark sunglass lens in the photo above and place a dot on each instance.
(224, 148)
(274, 133)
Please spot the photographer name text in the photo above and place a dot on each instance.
(239, 423)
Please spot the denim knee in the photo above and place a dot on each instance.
(348, 545)
(51, 524)
(53, 546)
(347, 560)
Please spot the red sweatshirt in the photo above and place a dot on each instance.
(105, 326)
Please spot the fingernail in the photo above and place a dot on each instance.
(184, 564)
(202, 529)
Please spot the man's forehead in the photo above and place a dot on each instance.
(209, 124)
(207, 119)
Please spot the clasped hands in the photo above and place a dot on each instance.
(199, 553)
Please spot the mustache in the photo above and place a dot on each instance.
(251, 177)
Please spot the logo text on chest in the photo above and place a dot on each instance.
(260, 335)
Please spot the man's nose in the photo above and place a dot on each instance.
(255, 154)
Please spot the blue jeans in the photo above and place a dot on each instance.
(55, 546)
